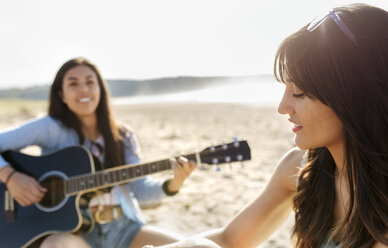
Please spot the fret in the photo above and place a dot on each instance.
(90, 181)
(74, 185)
(98, 177)
(111, 176)
(165, 164)
(105, 179)
(138, 171)
(68, 186)
(146, 169)
(82, 183)
(124, 174)
(131, 172)
(97, 180)
(76, 188)
(153, 167)
(117, 174)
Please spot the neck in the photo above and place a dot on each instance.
(337, 151)
(89, 127)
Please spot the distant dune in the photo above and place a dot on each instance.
(123, 87)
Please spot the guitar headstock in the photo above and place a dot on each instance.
(226, 153)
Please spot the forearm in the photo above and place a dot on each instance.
(194, 242)
(217, 236)
(5, 172)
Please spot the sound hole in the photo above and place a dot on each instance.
(55, 192)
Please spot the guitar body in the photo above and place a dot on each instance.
(56, 212)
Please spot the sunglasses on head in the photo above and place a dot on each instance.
(333, 15)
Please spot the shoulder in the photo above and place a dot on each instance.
(129, 138)
(55, 124)
(41, 122)
(126, 130)
(289, 166)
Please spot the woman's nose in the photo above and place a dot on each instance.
(285, 105)
(83, 87)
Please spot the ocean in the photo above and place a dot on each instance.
(263, 93)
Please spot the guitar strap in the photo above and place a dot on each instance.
(9, 207)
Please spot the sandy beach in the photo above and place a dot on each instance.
(208, 199)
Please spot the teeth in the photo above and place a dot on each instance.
(296, 125)
(85, 99)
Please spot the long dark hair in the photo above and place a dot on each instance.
(110, 131)
(352, 79)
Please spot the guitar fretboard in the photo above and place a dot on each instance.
(113, 176)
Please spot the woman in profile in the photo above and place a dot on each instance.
(335, 72)
(80, 114)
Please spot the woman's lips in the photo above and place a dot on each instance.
(296, 128)
(85, 99)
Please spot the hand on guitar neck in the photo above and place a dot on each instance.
(182, 168)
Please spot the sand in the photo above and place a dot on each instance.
(208, 198)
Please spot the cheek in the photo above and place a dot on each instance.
(328, 126)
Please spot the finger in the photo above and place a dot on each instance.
(182, 160)
(33, 197)
(187, 165)
(42, 189)
(23, 200)
(193, 165)
(37, 191)
(173, 163)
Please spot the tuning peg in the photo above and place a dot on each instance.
(212, 148)
(240, 158)
(236, 142)
(224, 146)
(215, 161)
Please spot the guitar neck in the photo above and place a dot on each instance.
(117, 175)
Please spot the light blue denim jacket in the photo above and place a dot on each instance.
(51, 135)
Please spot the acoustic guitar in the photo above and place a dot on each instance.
(70, 173)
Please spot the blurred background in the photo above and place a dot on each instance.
(152, 47)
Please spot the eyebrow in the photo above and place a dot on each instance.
(75, 78)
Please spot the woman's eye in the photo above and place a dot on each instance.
(91, 82)
(298, 95)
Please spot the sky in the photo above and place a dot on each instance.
(142, 39)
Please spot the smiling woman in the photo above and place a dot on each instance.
(80, 114)
(335, 72)
(314, 123)
(81, 92)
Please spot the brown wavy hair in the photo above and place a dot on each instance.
(351, 79)
(111, 132)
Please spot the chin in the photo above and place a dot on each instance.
(302, 144)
